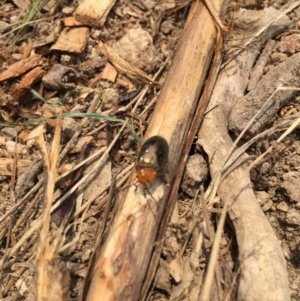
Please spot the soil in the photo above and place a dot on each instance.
(75, 76)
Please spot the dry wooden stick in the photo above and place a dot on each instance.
(194, 128)
(263, 271)
(49, 281)
(125, 255)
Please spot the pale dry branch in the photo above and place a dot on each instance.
(125, 255)
(263, 270)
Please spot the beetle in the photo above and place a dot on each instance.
(152, 160)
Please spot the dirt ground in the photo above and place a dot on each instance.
(56, 64)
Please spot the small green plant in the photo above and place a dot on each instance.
(30, 13)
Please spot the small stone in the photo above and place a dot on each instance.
(267, 206)
(289, 44)
(110, 99)
(136, 47)
(167, 26)
(293, 218)
(65, 59)
(297, 206)
(11, 145)
(69, 126)
(105, 84)
(195, 173)
(283, 207)
(277, 58)
(262, 197)
(291, 183)
(95, 34)
(17, 56)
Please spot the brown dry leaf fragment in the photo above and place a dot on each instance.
(72, 40)
(26, 82)
(34, 134)
(6, 165)
(48, 114)
(23, 136)
(21, 67)
(124, 67)
(71, 22)
(109, 73)
(93, 12)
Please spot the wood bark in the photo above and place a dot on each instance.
(125, 255)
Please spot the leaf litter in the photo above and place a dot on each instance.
(25, 69)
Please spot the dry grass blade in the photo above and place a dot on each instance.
(205, 294)
(50, 280)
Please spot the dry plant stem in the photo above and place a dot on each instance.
(16, 206)
(36, 224)
(194, 127)
(215, 14)
(63, 153)
(125, 254)
(94, 155)
(257, 71)
(46, 256)
(100, 232)
(6, 256)
(91, 172)
(124, 176)
(205, 294)
(141, 95)
(233, 156)
(230, 164)
(263, 271)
